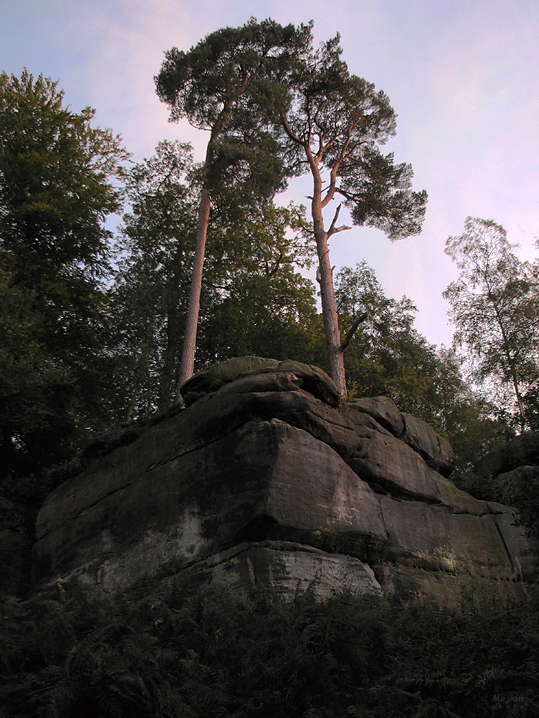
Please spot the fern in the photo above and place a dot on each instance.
(183, 653)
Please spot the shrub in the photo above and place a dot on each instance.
(209, 652)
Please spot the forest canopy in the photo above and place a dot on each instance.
(93, 322)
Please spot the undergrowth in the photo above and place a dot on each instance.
(182, 654)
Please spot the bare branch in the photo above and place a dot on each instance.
(353, 329)
(333, 175)
(333, 229)
(335, 218)
(342, 228)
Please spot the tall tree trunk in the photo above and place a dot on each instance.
(187, 362)
(327, 292)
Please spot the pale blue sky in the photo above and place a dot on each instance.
(462, 75)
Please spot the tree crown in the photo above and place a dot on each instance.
(495, 310)
(58, 176)
(214, 74)
(336, 121)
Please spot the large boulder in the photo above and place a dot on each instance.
(313, 379)
(393, 466)
(419, 435)
(381, 408)
(210, 379)
(265, 395)
(266, 481)
(435, 449)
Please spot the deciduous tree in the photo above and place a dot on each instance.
(58, 183)
(495, 310)
(151, 289)
(389, 357)
(264, 305)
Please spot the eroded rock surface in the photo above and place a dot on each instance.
(265, 480)
(523, 450)
(283, 568)
(382, 409)
(436, 450)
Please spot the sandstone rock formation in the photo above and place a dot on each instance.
(264, 481)
(522, 451)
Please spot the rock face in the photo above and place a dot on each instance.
(263, 480)
(522, 451)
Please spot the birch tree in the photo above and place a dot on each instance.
(495, 310)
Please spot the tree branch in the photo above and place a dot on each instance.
(353, 329)
(271, 272)
(333, 175)
(333, 229)
(288, 131)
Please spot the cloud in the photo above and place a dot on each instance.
(119, 47)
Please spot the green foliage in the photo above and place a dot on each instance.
(388, 357)
(485, 488)
(495, 309)
(253, 301)
(261, 304)
(521, 489)
(336, 121)
(58, 182)
(151, 288)
(36, 393)
(182, 653)
(221, 85)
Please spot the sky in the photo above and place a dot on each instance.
(462, 76)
